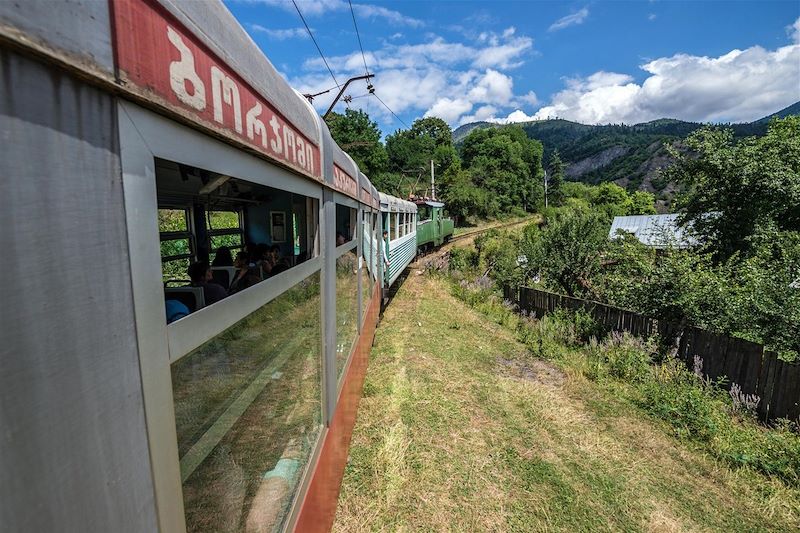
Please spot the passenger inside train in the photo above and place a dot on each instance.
(207, 218)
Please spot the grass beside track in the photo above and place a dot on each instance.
(461, 429)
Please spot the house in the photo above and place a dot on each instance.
(656, 231)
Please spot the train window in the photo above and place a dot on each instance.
(176, 243)
(346, 307)
(248, 414)
(217, 211)
(345, 224)
(225, 228)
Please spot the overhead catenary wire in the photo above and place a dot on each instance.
(355, 25)
(390, 110)
(310, 34)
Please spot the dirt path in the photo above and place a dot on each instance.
(460, 429)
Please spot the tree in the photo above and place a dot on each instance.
(734, 188)
(642, 203)
(359, 136)
(507, 164)
(410, 151)
(612, 200)
(460, 194)
(555, 180)
(567, 252)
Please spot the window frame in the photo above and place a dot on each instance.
(143, 137)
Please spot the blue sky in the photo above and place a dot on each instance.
(592, 62)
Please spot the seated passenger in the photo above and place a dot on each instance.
(245, 277)
(175, 310)
(223, 257)
(200, 274)
(340, 239)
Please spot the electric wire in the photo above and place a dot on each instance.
(390, 110)
(363, 57)
(315, 44)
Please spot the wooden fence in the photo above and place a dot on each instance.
(756, 370)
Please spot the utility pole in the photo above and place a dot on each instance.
(370, 88)
(545, 189)
(433, 189)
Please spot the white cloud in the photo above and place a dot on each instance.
(570, 20)
(315, 8)
(652, 16)
(505, 53)
(449, 109)
(741, 85)
(280, 34)
(794, 31)
(436, 77)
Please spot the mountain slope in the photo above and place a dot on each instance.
(630, 155)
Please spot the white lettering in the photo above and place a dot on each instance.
(301, 152)
(310, 158)
(288, 144)
(183, 71)
(275, 144)
(255, 126)
(224, 89)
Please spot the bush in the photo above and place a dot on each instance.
(678, 396)
(463, 259)
(621, 356)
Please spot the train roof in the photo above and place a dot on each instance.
(396, 205)
(156, 52)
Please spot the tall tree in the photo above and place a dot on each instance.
(506, 163)
(359, 136)
(735, 188)
(411, 151)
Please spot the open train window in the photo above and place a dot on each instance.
(242, 232)
(225, 229)
(345, 224)
(177, 246)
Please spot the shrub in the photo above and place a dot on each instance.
(621, 356)
(676, 395)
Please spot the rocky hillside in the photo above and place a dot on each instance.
(631, 156)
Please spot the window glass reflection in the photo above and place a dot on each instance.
(248, 413)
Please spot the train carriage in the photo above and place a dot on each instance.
(141, 137)
(433, 227)
(399, 221)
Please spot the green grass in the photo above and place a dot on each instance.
(463, 428)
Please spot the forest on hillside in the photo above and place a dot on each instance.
(492, 173)
(741, 201)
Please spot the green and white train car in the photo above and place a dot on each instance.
(433, 228)
(399, 218)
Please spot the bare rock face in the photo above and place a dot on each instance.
(599, 160)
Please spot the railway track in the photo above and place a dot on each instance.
(427, 259)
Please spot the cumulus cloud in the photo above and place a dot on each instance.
(570, 20)
(794, 31)
(741, 85)
(315, 8)
(280, 34)
(437, 77)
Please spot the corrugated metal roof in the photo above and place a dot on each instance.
(658, 231)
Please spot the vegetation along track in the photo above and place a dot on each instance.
(461, 428)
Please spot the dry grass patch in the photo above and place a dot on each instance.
(461, 429)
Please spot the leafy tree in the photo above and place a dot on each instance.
(507, 164)
(567, 252)
(411, 151)
(360, 137)
(733, 188)
(612, 200)
(460, 194)
(555, 180)
(642, 203)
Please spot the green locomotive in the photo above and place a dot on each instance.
(433, 228)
